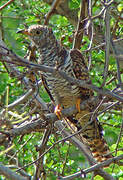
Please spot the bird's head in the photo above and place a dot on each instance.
(39, 34)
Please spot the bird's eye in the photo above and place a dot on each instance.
(37, 32)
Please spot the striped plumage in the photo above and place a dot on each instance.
(53, 54)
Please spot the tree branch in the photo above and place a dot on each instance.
(10, 174)
(22, 62)
(76, 142)
(49, 14)
(40, 124)
(117, 63)
(107, 47)
(37, 125)
(6, 4)
(94, 168)
(80, 27)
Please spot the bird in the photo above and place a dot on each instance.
(65, 94)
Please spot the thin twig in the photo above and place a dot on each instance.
(107, 48)
(101, 12)
(41, 149)
(81, 146)
(118, 140)
(103, 44)
(117, 62)
(93, 168)
(116, 126)
(97, 108)
(109, 107)
(110, 81)
(51, 12)
(91, 33)
(90, 27)
(6, 4)
(65, 161)
(21, 147)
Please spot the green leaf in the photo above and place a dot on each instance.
(74, 4)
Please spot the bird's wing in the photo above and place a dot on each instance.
(80, 71)
(92, 131)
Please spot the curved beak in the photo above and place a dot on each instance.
(24, 31)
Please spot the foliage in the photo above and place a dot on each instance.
(64, 158)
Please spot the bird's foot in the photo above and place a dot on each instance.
(57, 111)
(78, 104)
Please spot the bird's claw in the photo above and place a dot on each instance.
(58, 111)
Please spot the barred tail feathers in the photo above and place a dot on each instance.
(100, 150)
(92, 132)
